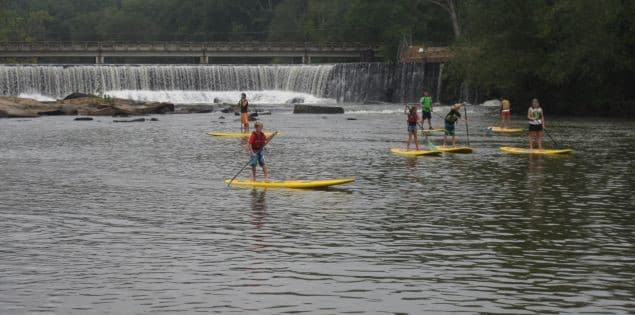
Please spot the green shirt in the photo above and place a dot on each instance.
(426, 103)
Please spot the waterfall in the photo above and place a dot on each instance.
(355, 82)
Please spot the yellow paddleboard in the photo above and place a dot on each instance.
(433, 130)
(505, 130)
(535, 151)
(405, 152)
(301, 184)
(235, 134)
(455, 149)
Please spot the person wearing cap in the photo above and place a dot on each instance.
(450, 121)
(257, 142)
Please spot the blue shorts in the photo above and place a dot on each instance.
(449, 129)
(257, 158)
(412, 128)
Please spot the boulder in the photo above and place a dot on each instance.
(131, 120)
(78, 95)
(295, 100)
(314, 109)
(193, 109)
(492, 103)
(16, 107)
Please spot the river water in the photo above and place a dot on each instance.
(98, 217)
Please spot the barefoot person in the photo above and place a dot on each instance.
(536, 124)
(450, 121)
(257, 142)
(426, 109)
(413, 119)
(244, 113)
(506, 110)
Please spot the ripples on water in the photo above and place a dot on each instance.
(97, 217)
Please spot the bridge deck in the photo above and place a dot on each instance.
(204, 50)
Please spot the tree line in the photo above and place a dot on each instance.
(575, 54)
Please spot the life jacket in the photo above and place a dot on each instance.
(258, 140)
(412, 118)
(452, 116)
(244, 106)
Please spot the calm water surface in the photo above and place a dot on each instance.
(99, 217)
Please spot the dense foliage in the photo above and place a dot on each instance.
(574, 54)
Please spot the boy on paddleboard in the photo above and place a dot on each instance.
(244, 113)
(413, 119)
(426, 109)
(450, 121)
(257, 142)
(536, 124)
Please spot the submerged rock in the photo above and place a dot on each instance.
(314, 109)
(83, 118)
(131, 120)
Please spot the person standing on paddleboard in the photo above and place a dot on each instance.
(506, 111)
(257, 142)
(413, 119)
(244, 113)
(450, 120)
(536, 119)
(426, 108)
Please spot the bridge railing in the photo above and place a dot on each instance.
(116, 45)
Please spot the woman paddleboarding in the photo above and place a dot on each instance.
(536, 119)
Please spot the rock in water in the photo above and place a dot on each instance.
(492, 103)
(314, 109)
(295, 100)
(131, 120)
(83, 118)
(78, 95)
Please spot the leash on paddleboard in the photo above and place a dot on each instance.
(251, 158)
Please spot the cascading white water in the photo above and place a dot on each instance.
(359, 82)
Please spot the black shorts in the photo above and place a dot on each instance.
(426, 115)
(535, 127)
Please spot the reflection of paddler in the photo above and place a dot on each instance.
(259, 207)
(244, 112)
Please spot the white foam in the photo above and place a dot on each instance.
(208, 97)
(37, 97)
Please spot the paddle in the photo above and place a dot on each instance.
(248, 162)
(550, 137)
(467, 130)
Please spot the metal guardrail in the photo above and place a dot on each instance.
(115, 45)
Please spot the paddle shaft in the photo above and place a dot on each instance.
(550, 137)
(248, 162)
(467, 130)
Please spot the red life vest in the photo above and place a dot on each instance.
(412, 118)
(257, 140)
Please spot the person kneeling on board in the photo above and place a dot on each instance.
(450, 121)
(413, 119)
(257, 142)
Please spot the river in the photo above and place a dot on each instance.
(98, 217)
